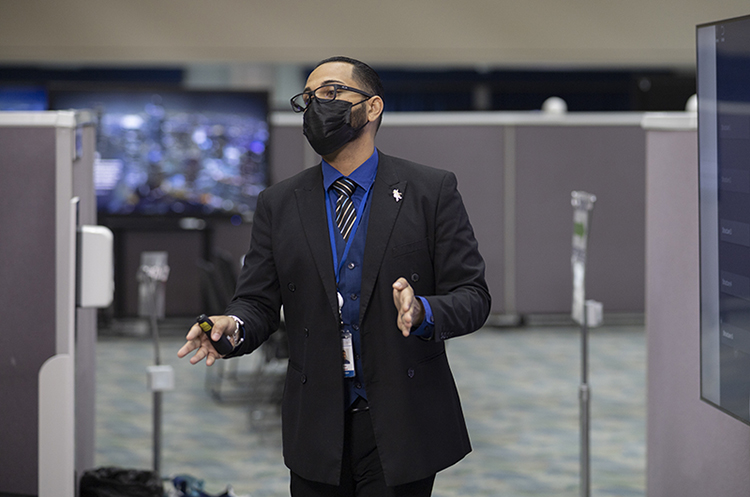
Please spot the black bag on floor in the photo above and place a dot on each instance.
(118, 482)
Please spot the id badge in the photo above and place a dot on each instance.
(348, 348)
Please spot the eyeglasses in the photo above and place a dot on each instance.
(325, 93)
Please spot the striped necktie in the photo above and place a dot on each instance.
(345, 212)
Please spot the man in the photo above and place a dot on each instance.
(356, 249)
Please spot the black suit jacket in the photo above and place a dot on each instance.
(425, 237)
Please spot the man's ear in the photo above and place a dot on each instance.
(374, 108)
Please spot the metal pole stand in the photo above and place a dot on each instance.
(588, 314)
(152, 276)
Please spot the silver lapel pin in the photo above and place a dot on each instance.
(397, 194)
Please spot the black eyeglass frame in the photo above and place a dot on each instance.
(336, 87)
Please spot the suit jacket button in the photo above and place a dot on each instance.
(291, 287)
(410, 373)
(307, 333)
(414, 277)
(303, 379)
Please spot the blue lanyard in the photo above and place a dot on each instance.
(332, 234)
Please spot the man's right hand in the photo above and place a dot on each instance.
(198, 340)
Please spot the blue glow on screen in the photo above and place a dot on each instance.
(177, 153)
(21, 98)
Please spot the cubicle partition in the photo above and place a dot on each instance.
(607, 159)
(47, 346)
(515, 174)
(693, 449)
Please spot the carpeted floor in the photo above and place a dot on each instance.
(519, 388)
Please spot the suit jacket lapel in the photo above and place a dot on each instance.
(383, 213)
(312, 213)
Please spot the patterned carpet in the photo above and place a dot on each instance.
(519, 388)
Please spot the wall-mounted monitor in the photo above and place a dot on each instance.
(170, 152)
(724, 162)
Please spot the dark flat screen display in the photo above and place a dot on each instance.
(175, 153)
(724, 158)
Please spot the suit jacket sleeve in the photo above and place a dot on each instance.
(461, 302)
(257, 299)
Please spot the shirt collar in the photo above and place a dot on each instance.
(364, 175)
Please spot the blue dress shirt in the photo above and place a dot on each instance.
(350, 275)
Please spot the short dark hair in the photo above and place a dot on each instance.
(365, 76)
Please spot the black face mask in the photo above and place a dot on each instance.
(328, 125)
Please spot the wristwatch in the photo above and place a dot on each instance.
(237, 337)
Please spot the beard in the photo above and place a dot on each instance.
(359, 118)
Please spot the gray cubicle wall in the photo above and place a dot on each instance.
(605, 159)
(693, 449)
(515, 173)
(86, 318)
(25, 293)
(40, 174)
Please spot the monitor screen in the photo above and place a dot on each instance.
(173, 152)
(724, 148)
(23, 98)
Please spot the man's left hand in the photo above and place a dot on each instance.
(410, 309)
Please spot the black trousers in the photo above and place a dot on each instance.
(361, 474)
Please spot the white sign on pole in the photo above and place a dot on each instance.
(582, 203)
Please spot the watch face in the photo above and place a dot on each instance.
(236, 335)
